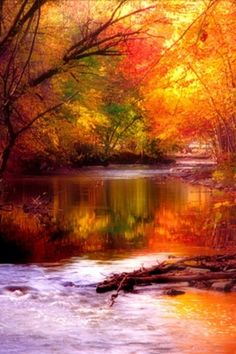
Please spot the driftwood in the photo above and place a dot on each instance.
(201, 272)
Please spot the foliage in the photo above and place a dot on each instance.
(36, 66)
(143, 76)
(191, 92)
(226, 170)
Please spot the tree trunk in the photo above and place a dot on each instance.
(5, 156)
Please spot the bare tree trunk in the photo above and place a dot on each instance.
(6, 155)
(11, 136)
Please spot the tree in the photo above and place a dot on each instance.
(26, 73)
(121, 120)
(191, 92)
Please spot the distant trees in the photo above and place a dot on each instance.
(191, 93)
(120, 122)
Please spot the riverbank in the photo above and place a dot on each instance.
(204, 178)
(205, 173)
(42, 166)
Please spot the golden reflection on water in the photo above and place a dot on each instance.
(209, 316)
(92, 214)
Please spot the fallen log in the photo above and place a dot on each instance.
(105, 287)
(191, 270)
(184, 278)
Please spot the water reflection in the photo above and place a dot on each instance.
(91, 213)
(214, 318)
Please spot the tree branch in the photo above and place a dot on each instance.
(19, 21)
(82, 49)
(42, 114)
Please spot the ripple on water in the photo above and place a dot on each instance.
(77, 320)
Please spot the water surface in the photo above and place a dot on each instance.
(112, 220)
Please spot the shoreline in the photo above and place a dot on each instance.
(203, 178)
(172, 162)
(194, 170)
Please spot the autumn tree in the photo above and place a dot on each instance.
(31, 57)
(191, 94)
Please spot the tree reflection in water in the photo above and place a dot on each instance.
(88, 215)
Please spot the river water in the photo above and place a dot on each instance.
(113, 220)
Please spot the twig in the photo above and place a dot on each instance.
(114, 296)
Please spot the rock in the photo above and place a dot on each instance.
(67, 284)
(19, 289)
(204, 284)
(221, 285)
(174, 292)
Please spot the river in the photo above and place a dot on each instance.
(113, 220)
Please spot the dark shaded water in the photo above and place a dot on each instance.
(109, 221)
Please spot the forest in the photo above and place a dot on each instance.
(139, 81)
(117, 176)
